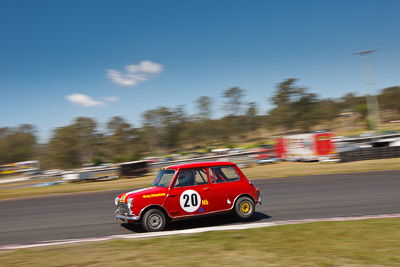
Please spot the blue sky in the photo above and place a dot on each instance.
(64, 59)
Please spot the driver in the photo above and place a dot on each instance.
(185, 178)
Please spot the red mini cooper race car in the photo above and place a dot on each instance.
(189, 190)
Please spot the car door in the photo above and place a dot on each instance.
(190, 194)
(225, 183)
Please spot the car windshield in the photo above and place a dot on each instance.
(164, 178)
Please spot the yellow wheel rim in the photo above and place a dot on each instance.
(245, 207)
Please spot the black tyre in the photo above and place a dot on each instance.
(154, 220)
(244, 208)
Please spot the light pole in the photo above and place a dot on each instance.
(372, 101)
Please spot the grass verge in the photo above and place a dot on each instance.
(281, 169)
(351, 243)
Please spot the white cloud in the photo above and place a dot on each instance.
(83, 100)
(111, 98)
(135, 74)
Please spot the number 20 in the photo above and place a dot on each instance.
(190, 198)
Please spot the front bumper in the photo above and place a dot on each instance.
(126, 218)
(124, 214)
(259, 199)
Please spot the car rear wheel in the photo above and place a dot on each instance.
(153, 220)
(244, 208)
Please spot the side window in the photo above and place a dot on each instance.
(191, 177)
(185, 178)
(213, 176)
(200, 176)
(223, 174)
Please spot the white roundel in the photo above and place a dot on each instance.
(190, 200)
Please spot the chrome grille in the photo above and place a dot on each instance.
(123, 208)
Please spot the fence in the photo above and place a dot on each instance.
(370, 153)
(241, 159)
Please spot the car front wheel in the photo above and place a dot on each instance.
(153, 220)
(244, 208)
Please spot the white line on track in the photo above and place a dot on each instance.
(193, 231)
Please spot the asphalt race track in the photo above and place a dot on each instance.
(83, 215)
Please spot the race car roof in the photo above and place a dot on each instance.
(200, 165)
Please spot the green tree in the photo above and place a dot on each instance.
(63, 149)
(328, 109)
(202, 129)
(165, 128)
(17, 144)
(234, 102)
(251, 117)
(204, 107)
(294, 107)
(121, 140)
(352, 103)
(389, 98)
(74, 145)
(85, 129)
(234, 123)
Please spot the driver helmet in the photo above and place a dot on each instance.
(184, 177)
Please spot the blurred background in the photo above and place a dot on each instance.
(101, 83)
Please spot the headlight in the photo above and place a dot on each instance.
(116, 201)
(129, 203)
